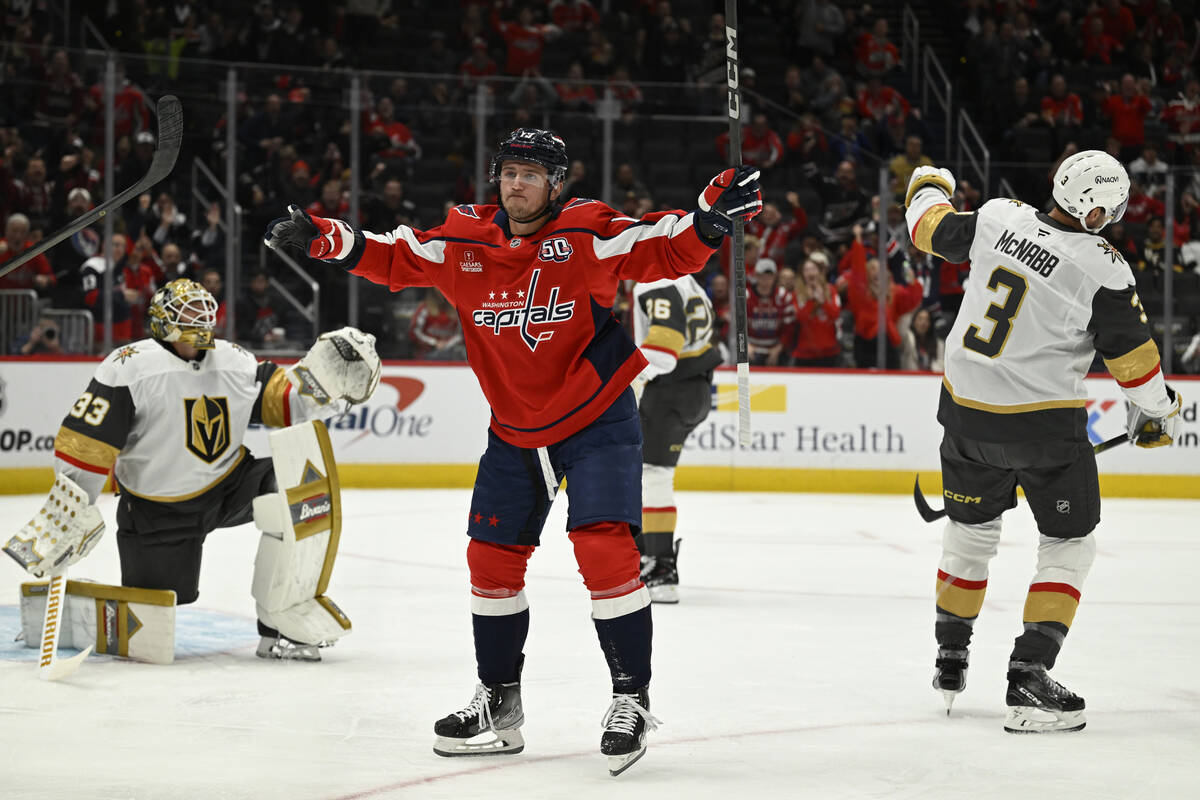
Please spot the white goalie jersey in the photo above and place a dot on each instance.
(169, 428)
(1041, 300)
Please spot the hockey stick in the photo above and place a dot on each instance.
(739, 232)
(50, 667)
(170, 137)
(930, 515)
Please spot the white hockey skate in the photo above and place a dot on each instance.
(281, 648)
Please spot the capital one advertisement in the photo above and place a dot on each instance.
(426, 425)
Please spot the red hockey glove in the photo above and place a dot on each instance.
(316, 237)
(733, 194)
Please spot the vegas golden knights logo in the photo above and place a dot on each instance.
(207, 421)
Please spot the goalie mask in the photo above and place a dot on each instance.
(1089, 180)
(183, 311)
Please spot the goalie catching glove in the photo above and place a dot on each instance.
(315, 237)
(343, 364)
(64, 530)
(1147, 431)
(734, 194)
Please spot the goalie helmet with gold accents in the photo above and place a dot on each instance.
(183, 311)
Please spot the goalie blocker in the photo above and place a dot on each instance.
(301, 525)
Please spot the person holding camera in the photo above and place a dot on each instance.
(42, 340)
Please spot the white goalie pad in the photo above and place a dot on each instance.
(64, 530)
(301, 525)
(138, 624)
(343, 363)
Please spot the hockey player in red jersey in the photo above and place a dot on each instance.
(534, 280)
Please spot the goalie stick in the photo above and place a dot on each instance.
(170, 137)
(930, 514)
(50, 666)
(739, 256)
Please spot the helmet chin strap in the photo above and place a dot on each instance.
(544, 212)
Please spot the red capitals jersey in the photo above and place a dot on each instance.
(536, 310)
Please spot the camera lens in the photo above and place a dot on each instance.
(50, 333)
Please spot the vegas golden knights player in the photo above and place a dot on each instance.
(167, 415)
(1045, 294)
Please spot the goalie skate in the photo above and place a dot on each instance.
(283, 649)
(1039, 704)
(625, 725)
(950, 674)
(489, 725)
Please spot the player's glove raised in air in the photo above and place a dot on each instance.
(315, 237)
(938, 177)
(733, 194)
(1147, 431)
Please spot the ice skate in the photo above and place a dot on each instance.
(661, 576)
(281, 648)
(625, 724)
(950, 673)
(1039, 704)
(494, 717)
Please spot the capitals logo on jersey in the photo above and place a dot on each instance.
(518, 314)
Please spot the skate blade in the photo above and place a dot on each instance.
(666, 593)
(269, 648)
(618, 764)
(502, 743)
(949, 696)
(1027, 719)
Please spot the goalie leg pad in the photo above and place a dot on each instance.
(122, 621)
(301, 526)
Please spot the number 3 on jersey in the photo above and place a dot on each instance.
(1002, 316)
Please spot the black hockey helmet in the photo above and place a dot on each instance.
(536, 146)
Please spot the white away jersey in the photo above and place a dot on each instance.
(170, 428)
(673, 325)
(1041, 299)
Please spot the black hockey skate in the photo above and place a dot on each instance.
(950, 673)
(625, 724)
(661, 576)
(1039, 704)
(495, 710)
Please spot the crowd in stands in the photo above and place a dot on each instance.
(827, 103)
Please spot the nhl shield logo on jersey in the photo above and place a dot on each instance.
(207, 420)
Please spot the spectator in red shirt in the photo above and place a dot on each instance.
(861, 282)
(1062, 111)
(817, 312)
(524, 39)
(1098, 46)
(573, 16)
(390, 139)
(876, 101)
(1116, 20)
(436, 333)
(770, 315)
(332, 204)
(37, 274)
(874, 54)
(478, 66)
(139, 275)
(34, 195)
(776, 230)
(1182, 118)
(1141, 205)
(761, 146)
(1127, 112)
(574, 94)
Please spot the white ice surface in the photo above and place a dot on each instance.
(797, 666)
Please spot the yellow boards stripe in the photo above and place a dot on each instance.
(770, 397)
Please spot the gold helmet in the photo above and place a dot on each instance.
(183, 311)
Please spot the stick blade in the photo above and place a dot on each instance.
(923, 508)
(60, 668)
(170, 138)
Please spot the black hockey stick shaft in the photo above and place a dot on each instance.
(170, 137)
(930, 514)
(732, 50)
